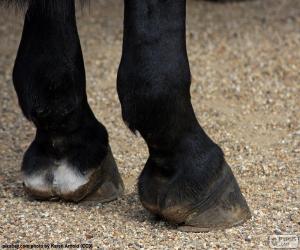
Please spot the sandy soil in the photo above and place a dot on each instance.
(245, 61)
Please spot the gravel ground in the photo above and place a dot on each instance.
(245, 61)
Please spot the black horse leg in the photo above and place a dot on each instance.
(186, 179)
(70, 157)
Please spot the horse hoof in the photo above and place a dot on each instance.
(64, 181)
(222, 208)
(196, 195)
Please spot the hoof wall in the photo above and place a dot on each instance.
(225, 207)
(102, 184)
(105, 193)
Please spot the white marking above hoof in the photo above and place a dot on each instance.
(65, 179)
(37, 182)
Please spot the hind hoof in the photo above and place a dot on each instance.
(64, 181)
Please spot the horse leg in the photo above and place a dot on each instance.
(186, 179)
(70, 157)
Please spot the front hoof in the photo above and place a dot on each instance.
(223, 207)
(198, 196)
(62, 180)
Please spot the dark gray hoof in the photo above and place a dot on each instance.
(196, 201)
(224, 206)
(64, 181)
